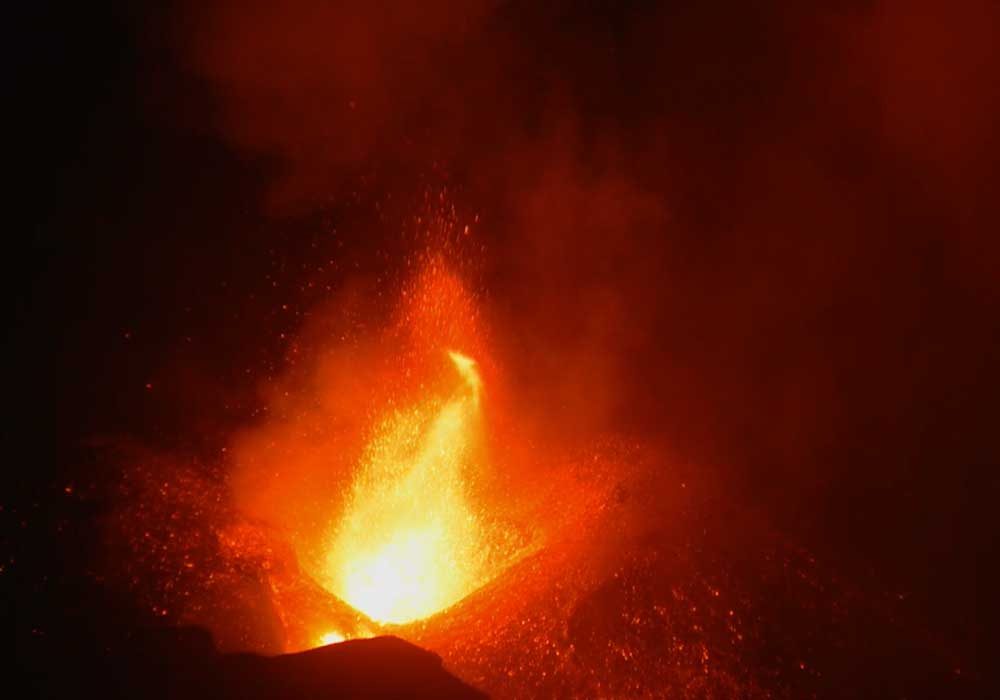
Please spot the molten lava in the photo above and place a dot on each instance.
(410, 542)
(331, 638)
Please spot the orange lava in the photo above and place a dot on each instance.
(410, 542)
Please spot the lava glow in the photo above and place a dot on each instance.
(410, 543)
(393, 489)
(331, 638)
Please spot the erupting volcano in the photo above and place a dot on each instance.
(399, 483)
(539, 350)
(389, 481)
(394, 486)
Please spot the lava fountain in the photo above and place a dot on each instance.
(391, 488)
(410, 543)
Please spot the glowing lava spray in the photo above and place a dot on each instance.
(410, 543)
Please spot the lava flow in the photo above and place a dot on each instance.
(409, 543)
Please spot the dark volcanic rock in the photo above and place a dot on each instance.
(170, 663)
(384, 667)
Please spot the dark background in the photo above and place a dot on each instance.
(770, 230)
